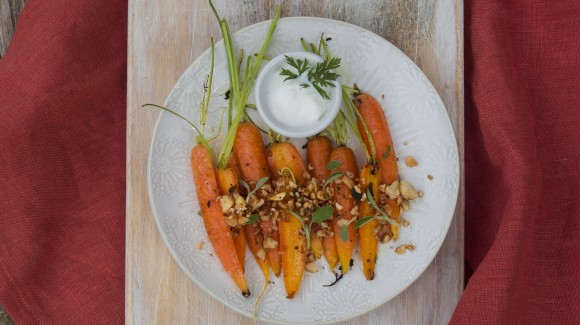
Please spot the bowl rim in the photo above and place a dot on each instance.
(326, 120)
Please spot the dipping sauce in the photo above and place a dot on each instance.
(291, 105)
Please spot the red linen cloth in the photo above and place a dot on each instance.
(62, 164)
(62, 150)
(522, 159)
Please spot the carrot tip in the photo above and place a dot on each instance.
(291, 295)
(370, 276)
(246, 293)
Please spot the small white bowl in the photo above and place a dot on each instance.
(335, 95)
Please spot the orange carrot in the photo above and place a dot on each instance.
(227, 180)
(374, 117)
(217, 230)
(369, 176)
(318, 153)
(284, 156)
(250, 155)
(315, 243)
(344, 198)
(252, 233)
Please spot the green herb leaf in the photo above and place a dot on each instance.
(333, 164)
(386, 154)
(253, 219)
(383, 216)
(304, 85)
(289, 75)
(261, 182)
(322, 214)
(344, 233)
(362, 221)
(244, 184)
(334, 176)
(319, 76)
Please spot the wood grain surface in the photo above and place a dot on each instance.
(165, 37)
(9, 12)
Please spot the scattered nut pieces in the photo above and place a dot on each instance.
(430, 177)
(407, 191)
(401, 249)
(311, 267)
(269, 243)
(421, 193)
(405, 205)
(226, 202)
(405, 223)
(410, 161)
(261, 253)
(199, 245)
(393, 190)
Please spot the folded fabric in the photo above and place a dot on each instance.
(62, 164)
(522, 151)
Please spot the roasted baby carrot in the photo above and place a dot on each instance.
(346, 202)
(218, 231)
(318, 152)
(250, 154)
(369, 177)
(374, 117)
(227, 180)
(282, 157)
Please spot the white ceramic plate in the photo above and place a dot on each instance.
(420, 127)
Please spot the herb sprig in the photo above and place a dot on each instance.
(319, 76)
(321, 214)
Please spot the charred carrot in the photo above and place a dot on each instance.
(283, 157)
(346, 202)
(378, 127)
(250, 154)
(318, 153)
(217, 230)
(369, 177)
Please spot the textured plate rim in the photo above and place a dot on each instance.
(453, 203)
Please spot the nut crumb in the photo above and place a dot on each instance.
(405, 223)
(199, 245)
(410, 161)
(421, 193)
(401, 249)
(405, 143)
(430, 177)
(311, 267)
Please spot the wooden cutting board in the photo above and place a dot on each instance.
(165, 37)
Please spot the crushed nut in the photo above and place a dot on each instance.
(403, 248)
(405, 223)
(410, 161)
(311, 267)
(338, 206)
(199, 245)
(385, 238)
(405, 205)
(269, 243)
(277, 197)
(421, 193)
(393, 190)
(226, 203)
(408, 191)
(354, 211)
(261, 253)
(430, 177)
